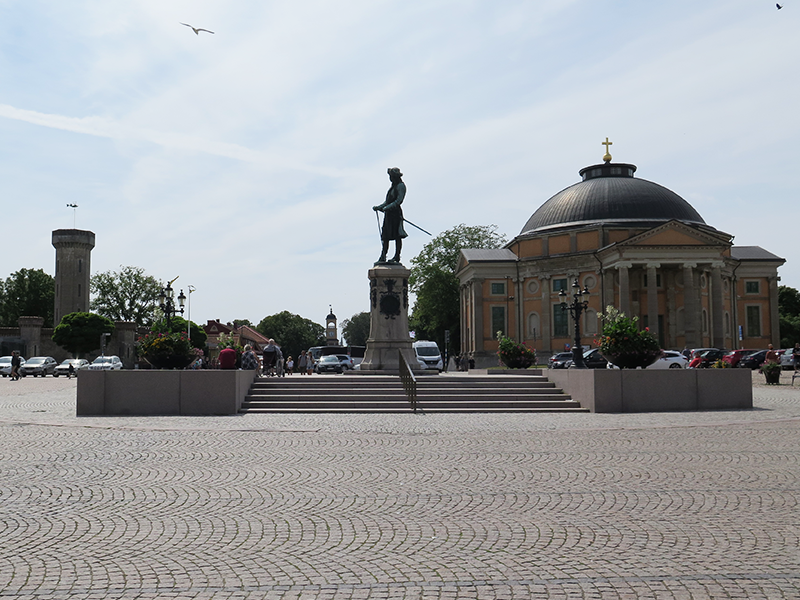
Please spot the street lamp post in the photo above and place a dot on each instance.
(189, 314)
(166, 301)
(578, 305)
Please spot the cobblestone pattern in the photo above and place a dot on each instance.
(662, 506)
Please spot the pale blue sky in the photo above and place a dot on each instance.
(247, 161)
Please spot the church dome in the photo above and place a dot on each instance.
(610, 194)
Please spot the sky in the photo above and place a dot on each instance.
(247, 162)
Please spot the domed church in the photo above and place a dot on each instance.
(633, 244)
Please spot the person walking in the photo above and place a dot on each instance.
(302, 362)
(289, 365)
(309, 363)
(16, 362)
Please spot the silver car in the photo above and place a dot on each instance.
(39, 366)
(77, 365)
(106, 363)
(5, 365)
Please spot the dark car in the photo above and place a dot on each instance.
(709, 357)
(329, 364)
(560, 360)
(753, 361)
(594, 360)
(734, 356)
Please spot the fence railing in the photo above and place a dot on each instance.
(409, 381)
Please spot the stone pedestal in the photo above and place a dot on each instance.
(388, 325)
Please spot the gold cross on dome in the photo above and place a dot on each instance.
(607, 156)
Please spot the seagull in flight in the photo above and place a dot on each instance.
(779, 6)
(197, 30)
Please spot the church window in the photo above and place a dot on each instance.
(559, 284)
(80, 265)
(705, 321)
(751, 287)
(498, 289)
(498, 319)
(533, 326)
(616, 170)
(753, 318)
(560, 321)
(658, 280)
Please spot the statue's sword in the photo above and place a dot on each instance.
(418, 227)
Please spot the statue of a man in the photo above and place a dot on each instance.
(393, 216)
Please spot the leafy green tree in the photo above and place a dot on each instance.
(240, 322)
(435, 284)
(178, 325)
(80, 332)
(292, 332)
(789, 315)
(356, 329)
(125, 295)
(27, 293)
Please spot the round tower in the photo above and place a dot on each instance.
(73, 260)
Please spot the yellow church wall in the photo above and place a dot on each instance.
(671, 238)
(530, 248)
(588, 240)
(559, 244)
(617, 235)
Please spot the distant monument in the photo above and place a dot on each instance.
(73, 262)
(388, 292)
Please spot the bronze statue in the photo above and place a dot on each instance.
(393, 216)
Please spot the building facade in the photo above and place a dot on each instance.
(632, 244)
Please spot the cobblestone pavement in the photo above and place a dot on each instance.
(662, 506)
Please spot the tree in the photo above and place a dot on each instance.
(27, 293)
(178, 325)
(126, 295)
(240, 322)
(292, 332)
(789, 315)
(356, 329)
(80, 332)
(435, 284)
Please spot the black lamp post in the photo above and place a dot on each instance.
(579, 304)
(166, 302)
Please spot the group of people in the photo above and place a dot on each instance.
(16, 362)
(272, 364)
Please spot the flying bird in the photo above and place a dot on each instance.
(779, 6)
(197, 30)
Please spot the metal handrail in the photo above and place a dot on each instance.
(409, 381)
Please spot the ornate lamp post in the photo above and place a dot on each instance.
(579, 304)
(166, 302)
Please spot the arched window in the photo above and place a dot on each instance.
(534, 330)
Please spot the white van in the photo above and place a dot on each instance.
(428, 355)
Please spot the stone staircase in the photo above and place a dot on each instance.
(348, 393)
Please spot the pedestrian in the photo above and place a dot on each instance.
(227, 359)
(309, 363)
(270, 354)
(70, 371)
(289, 365)
(16, 362)
(302, 362)
(796, 356)
(249, 359)
(771, 356)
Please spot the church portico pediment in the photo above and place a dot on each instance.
(675, 233)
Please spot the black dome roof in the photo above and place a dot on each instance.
(610, 194)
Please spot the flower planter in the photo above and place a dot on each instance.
(772, 377)
(632, 360)
(169, 362)
(519, 363)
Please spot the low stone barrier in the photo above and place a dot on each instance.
(642, 390)
(145, 392)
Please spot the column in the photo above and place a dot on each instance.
(608, 290)
(477, 307)
(717, 312)
(691, 312)
(652, 298)
(546, 320)
(671, 312)
(774, 322)
(624, 289)
(519, 306)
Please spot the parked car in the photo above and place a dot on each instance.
(696, 352)
(77, 365)
(670, 359)
(328, 364)
(753, 361)
(560, 360)
(707, 358)
(39, 366)
(106, 363)
(346, 361)
(734, 356)
(594, 360)
(787, 359)
(5, 365)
